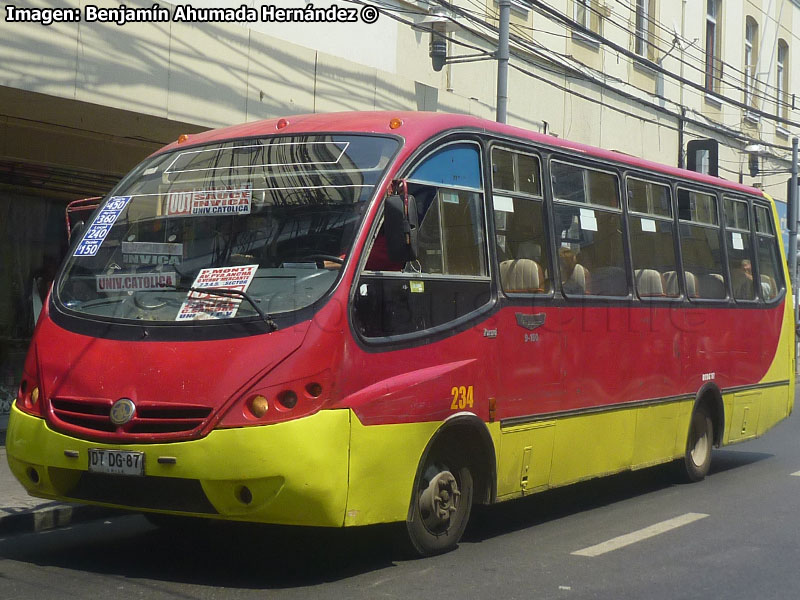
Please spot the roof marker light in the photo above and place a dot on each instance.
(395, 123)
(182, 138)
(282, 123)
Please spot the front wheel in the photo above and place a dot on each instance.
(697, 458)
(440, 505)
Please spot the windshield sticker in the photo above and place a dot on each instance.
(199, 305)
(151, 253)
(98, 230)
(140, 282)
(278, 155)
(209, 202)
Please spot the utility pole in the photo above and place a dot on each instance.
(792, 215)
(502, 61)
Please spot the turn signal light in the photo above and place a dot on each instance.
(258, 406)
(35, 396)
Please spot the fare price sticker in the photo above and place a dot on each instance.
(199, 305)
(96, 233)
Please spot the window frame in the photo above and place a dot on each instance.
(719, 227)
(782, 79)
(609, 169)
(644, 12)
(592, 21)
(750, 60)
(773, 235)
(673, 219)
(548, 266)
(713, 63)
(481, 190)
(425, 335)
(750, 230)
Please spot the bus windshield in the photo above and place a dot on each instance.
(230, 230)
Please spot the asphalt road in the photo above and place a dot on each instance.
(637, 535)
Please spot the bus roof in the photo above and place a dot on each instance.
(419, 126)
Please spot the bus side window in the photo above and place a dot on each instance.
(769, 264)
(699, 233)
(652, 239)
(588, 227)
(520, 238)
(740, 249)
(450, 277)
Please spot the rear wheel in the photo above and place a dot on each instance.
(697, 458)
(441, 504)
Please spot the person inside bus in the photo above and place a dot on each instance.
(574, 276)
(742, 279)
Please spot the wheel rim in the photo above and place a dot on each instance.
(439, 501)
(699, 451)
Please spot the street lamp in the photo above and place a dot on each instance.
(440, 23)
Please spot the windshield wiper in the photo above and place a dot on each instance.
(217, 291)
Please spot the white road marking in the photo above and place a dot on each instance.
(642, 534)
(796, 474)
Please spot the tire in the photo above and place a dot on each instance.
(446, 482)
(700, 439)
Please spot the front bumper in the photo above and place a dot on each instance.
(287, 481)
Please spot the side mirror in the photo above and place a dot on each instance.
(400, 224)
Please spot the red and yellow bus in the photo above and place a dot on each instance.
(348, 319)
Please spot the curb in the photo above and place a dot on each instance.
(52, 517)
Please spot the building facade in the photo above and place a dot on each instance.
(86, 93)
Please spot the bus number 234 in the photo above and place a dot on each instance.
(462, 397)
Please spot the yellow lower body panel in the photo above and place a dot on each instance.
(752, 413)
(383, 465)
(294, 473)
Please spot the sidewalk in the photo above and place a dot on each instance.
(21, 513)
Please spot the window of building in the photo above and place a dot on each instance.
(645, 29)
(521, 238)
(583, 11)
(713, 63)
(652, 233)
(587, 14)
(782, 80)
(699, 232)
(588, 229)
(740, 249)
(750, 60)
(769, 264)
(450, 277)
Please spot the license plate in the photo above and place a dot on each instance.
(116, 462)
